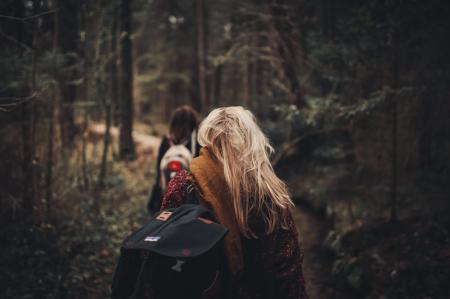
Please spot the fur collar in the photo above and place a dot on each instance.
(207, 173)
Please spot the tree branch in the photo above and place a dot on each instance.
(287, 146)
(17, 101)
(15, 41)
(24, 19)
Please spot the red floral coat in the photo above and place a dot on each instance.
(272, 262)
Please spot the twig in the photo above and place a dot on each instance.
(286, 147)
(40, 14)
(15, 41)
(15, 104)
(24, 19)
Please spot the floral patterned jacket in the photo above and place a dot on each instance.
(272, 262)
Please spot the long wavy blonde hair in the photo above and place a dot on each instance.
(235, 139)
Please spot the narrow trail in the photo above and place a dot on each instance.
(316, 264)
(312, 230)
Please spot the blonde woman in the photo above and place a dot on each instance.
(233, 177)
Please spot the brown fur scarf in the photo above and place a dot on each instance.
(207, 173)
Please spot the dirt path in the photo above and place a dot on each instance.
(316, 264)
(146, 144)
(312, 230)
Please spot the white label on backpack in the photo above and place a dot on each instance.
(152, 239)
(164, 215)
(178, 265)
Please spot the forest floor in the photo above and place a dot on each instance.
(316, 267)
(74, 255)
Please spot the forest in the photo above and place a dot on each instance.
(353, 95)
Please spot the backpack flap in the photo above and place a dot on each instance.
(187, 231)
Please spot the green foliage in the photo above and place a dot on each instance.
(329, 112)
(15, 73)
(19, 70)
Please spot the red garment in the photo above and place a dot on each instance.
(272, 262)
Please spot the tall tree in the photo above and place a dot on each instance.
(51, 122)
(393, 59)
(286, 37)
(68, 14)
(201, 53)
(114, 90)
(28, 118)
(126, 147)
(110, 67)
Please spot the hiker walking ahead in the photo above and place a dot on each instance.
(175, 152)
(234, 179)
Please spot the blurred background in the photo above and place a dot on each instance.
(354, 96)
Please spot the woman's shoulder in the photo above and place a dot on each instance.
(257, 222)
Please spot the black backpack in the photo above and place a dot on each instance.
(174, 255)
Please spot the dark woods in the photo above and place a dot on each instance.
(353, 94)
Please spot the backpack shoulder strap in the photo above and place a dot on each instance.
(170, 139)
(194, 143)
(192, 195)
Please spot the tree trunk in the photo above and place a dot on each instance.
(394, 161)
(106, 142)
(112, 105)
(249, 69)
(68, 41)
(51, 125)
(84, 159)
(106, 101)
(217, 84)
(114, 90)
(87, 54)
(287, 51)
(201, 54)
(394, 99)
(126, 146)
(194, 91)
(28, 138)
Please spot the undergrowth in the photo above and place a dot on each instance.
(74, 254)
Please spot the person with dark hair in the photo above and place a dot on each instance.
(175, 152)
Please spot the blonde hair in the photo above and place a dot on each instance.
(232, 135)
